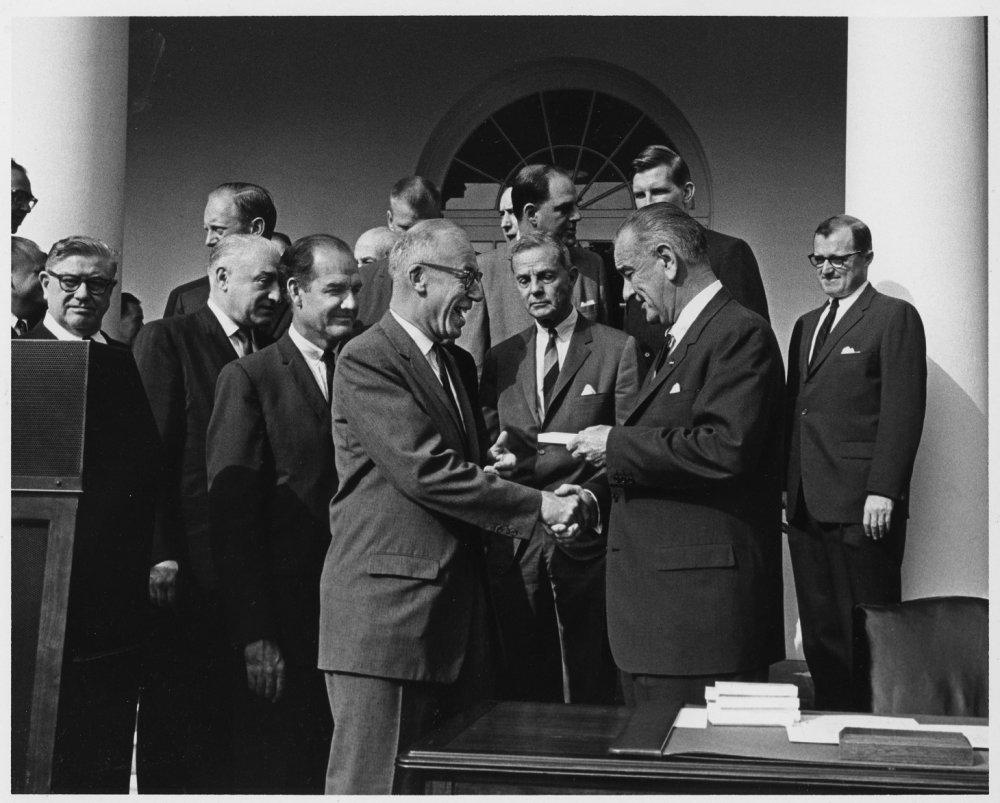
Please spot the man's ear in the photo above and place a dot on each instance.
(530, 215)
(292, 289)
(689, 189)
(574, 272)
(388, 219)
(418, 278)
(257, 226)
(221, 276)
(667, 260)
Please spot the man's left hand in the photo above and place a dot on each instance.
(878, 514)
(591, 444)
(504, 460)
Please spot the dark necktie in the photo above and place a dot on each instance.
(824, 330)
(444, 374)
(329, 360)
(550, 371)
(21, 327)
(668, 345)
(245, 342)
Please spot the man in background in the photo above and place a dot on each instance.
(132, 318)
(411, 199)
(27, 300)
(185, 718)
(21, 199)
(374, 244)
(562, 374)
(661, 175)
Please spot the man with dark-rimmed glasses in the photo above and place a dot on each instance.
(21, 199)
(857, 380)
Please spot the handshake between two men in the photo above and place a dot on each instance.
(569, 510)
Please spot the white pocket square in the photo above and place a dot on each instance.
(849, 350)
(676, 388)
(588, 390)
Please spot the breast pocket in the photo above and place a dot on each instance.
(383, 564)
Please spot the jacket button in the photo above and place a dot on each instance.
(541, 451)
(804, 411)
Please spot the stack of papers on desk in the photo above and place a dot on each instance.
(731, 703)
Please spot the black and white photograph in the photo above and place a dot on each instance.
(534, 398)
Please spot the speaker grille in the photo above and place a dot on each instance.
(48, 404)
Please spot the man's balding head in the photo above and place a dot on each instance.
(243, 276)
(238, 208)
(374, 245)
(412, 199)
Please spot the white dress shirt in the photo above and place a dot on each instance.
(564, 333)
(426, 346)
(231, 329)
(62, 333)
(313, 355)
(691, 312)
(842, 307)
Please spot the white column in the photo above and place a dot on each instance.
(917, 175)
(70, 96)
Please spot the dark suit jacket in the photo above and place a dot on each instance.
(502, 314)
(271, 476)
(179, 360)
(193, 296)
(108, 597)
(376, 291)
(855, 418)
(694, 552)
(598, 356)
(737, 269)
(405, 558)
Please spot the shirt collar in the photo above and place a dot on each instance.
(228, 326)
(693, 309)
(309, 350)
(62, 333)
(424, 343)
(13, 320)
(845, 303)
(564, 329)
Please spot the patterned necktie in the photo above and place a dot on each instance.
(444, 374)
(824, 331)
(668, 346)
(329, 361)
(21, 327)
(245, 346)
(550, 371)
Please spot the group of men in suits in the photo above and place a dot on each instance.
(388, 527)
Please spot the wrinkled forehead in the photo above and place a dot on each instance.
(85, 266)
(536, 260)
(840, 238)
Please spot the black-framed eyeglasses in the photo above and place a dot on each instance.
(96, 285)
(20, 199)
(466, 276)
(837, 261)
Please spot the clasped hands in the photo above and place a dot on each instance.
(568, 512)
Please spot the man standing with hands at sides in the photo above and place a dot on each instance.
(412, 199)
(662, 176)
(271, 474)
(562, 374)
(402, 599)
(694, 552)
(185, 715)
(857, 388)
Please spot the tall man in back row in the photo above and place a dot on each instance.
(694, 551)
(561, 374)
(661, 175)
(857, 387)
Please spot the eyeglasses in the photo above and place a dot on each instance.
(96, 285)
(837, 261)
(467, 277)
(20, 198)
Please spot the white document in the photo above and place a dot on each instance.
(742, 689)
(561, 438)
(690, 717)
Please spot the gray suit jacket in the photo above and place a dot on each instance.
(405, 558)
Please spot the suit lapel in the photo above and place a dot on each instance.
(576, 356)
(851, 317)
(303, 378)
(468, 424)
(424, 379)
(526, 369)
(676, 357)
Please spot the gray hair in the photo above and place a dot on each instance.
(240, 243)
(80, 245)
(663, 222)
(545, 242)
(420, 243)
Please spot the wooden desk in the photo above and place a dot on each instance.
(524, 748)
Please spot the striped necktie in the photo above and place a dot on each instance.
(244, 341)
(550, 371)
(665, 349)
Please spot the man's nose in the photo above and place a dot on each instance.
(576, 214)
(211, 238)
(475, 291)
(350, 300)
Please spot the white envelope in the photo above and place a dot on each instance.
(676, 388)
(849, 350)
(560, 438)
(588, 390)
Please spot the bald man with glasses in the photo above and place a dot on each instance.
(857, 385)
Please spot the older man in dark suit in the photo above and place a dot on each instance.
(271, 475)
(857, 387)
(402, 616)
(694, 556)
(107, 610)
(27, 301)
(661, 176)
(561, 375)
(185, 716)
